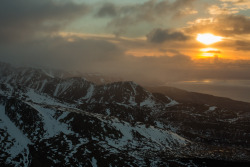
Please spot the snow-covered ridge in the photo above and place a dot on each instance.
(80, 90)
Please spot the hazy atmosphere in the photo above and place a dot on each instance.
(147, 41)
(139, 83)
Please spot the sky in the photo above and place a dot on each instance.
(147, 41)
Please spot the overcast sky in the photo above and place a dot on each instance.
(141, 40)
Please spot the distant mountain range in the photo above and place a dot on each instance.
(53, 118)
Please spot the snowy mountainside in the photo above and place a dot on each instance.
(46, 120)
(74, 136)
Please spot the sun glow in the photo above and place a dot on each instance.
(206, 55)
(209, 52)
(208, 39)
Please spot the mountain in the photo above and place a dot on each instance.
(50, 120)
(200, 98)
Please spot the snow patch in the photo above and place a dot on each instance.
(64, 115)
(171, 103)
(108, 111)
(94, 162)
(56, 90)
(89, 92)
(212, 108)
(21, 141)
(48, 74)
(162, 138)
(148, 102)
(43, 98)
(43, 84)
(53, 127)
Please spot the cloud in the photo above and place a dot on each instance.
(124, 16)
(185, 12)
(216, 10)
(227, 25)
(160, 36)
(239, 4)
(234, 1)
(61, 52)
(242, 45)
(21, 19)
(108, 9)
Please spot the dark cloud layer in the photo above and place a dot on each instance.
(160, 36)
(147, 12)
(58, 52)
(21, 19)
(108, 9)
(242, 45)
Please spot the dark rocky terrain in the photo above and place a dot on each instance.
(48, 120)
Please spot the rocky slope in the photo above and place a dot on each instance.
(46, 120)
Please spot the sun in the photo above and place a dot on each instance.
(208, 38)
